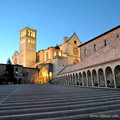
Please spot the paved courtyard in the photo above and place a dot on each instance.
(57, 102)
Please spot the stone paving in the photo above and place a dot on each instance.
(57, 102)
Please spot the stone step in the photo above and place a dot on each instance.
(57, 103)
(60, 100)
(55, 98)
(57, 108)
(106, 115)
(63, 113)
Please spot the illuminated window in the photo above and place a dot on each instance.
(64, 55)
(55, 54)
(23, 33)
(31, 33)
(23, 41)
(16, 71)
(33, 42)
(59, 54)
(28, 40)
(28, 32)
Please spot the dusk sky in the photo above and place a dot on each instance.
(54, 19)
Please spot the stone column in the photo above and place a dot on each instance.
(98, 79)
(92, 80)
(82, 81)
(115, 86)
(105, 78)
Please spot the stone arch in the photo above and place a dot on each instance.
(73, 79)
(101, 77)
(80, 79)
(43, 75)
(117, 75)
(84, 79)
(77, 80)
(68, 79)
(94, 74)
(109, 77)
(89, 78)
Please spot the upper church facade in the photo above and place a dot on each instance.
(52, 60)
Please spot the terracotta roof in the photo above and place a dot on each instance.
(105, 54)
(99, 36)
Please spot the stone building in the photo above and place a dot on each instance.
(45, 64)
(99, 65)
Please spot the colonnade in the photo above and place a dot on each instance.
(108, 76)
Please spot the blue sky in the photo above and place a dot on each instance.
(54, 19)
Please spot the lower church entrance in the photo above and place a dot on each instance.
(43, 76)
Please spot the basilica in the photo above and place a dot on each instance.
(99, 64)
(43, 65)
(95, 63)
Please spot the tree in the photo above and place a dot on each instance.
(9, 71)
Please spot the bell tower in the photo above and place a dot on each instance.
(27, 56)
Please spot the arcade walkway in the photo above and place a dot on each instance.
(55, 102)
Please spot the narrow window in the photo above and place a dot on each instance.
(118, 36)
(85, 51)
(95, 47)
(105, 42)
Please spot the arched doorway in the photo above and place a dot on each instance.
(101, 78)
(80, 79)
(109, 77)
(68, 79)
(77, 81)
(43, 76)
(84, 79)
(73, 79)
(117, 76)
(89, 78)
(94, 74)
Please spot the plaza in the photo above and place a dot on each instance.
(58, 102)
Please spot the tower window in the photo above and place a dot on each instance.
(105, 42)
(95, 47)
(85, 51)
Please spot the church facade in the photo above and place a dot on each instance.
(42, 66)
(99, 65)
